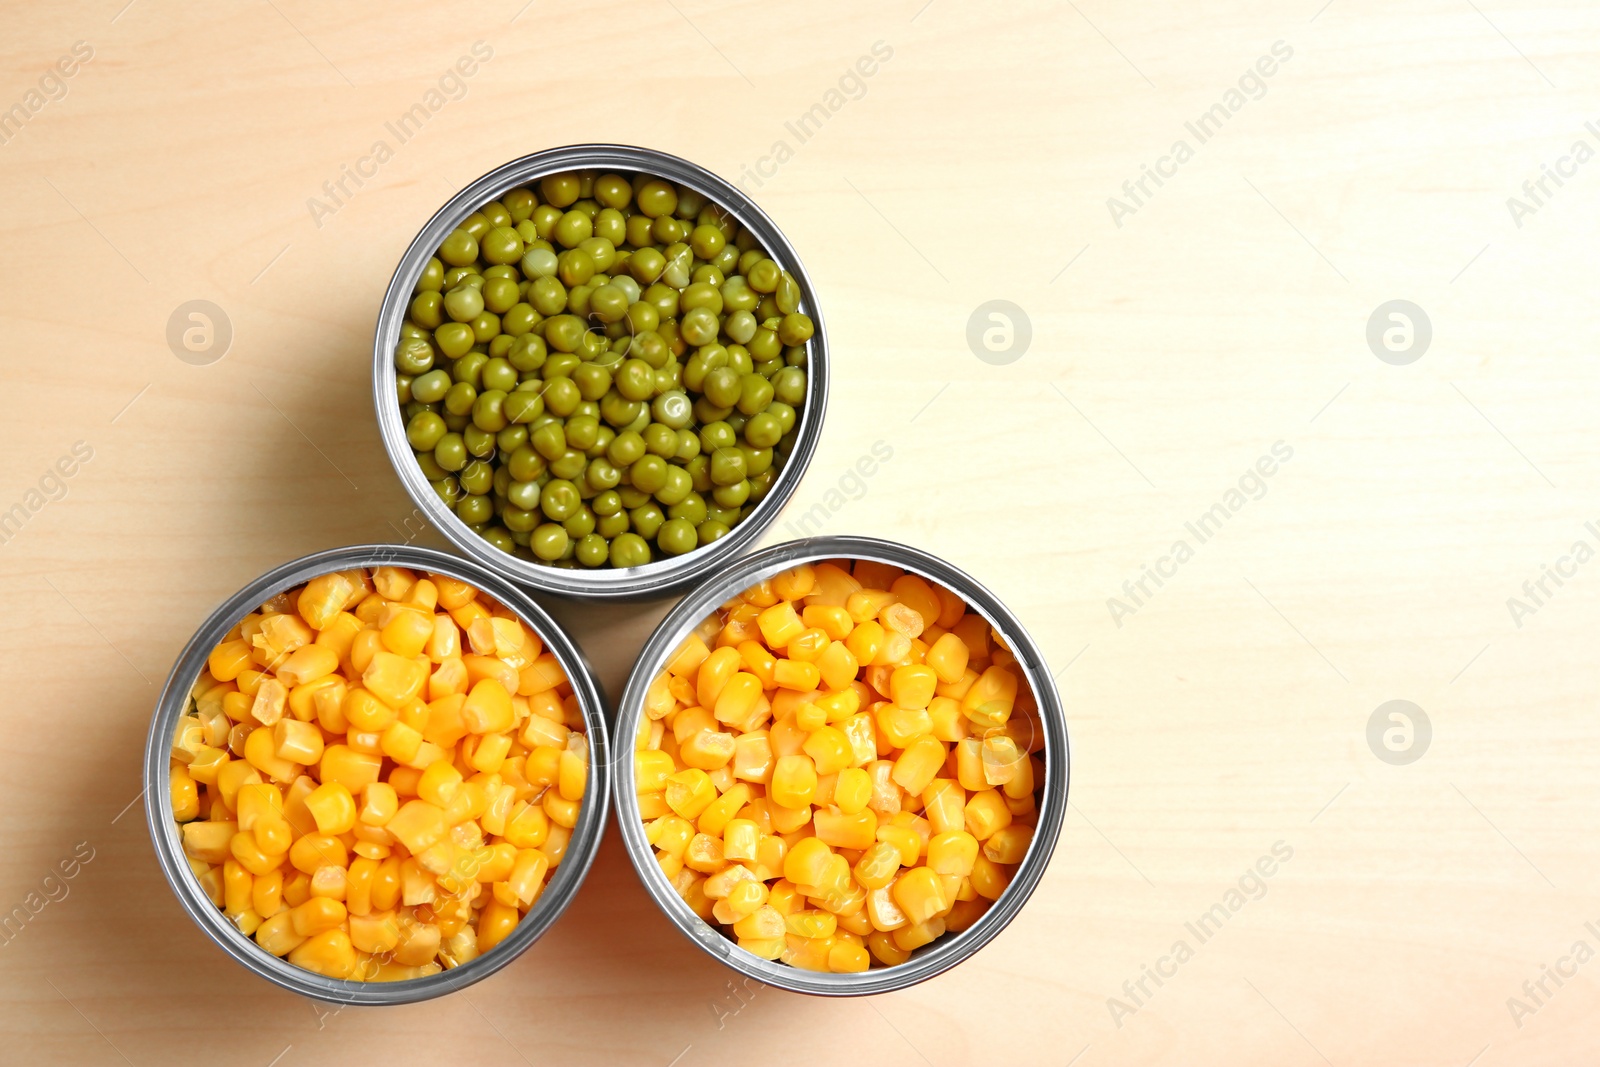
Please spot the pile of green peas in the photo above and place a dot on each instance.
(603, 370)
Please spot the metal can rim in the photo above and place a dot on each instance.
(660, 577)
(948, 950)
(172, 704)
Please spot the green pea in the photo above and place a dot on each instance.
(673, 409)
(460, 398)
(511, 438)
(592, 380)
(756, 460)
(761, 483)
(548, 296)
(679, 485)
(701, 295)
(431, 387)
(525, 464)
(486, 327)
(629, 550)
(561, 365)
(664, 298)
(499, 374)
(459, 249)
(501, 244)
(676, 537)
(519, 520)
(564, 333)
(795, 329)
(430, 469)
(765, 344)
(723, 386)
(550, 440)
(432, 277)
(699, 326)
(763, 276)
(631, 497)
(479, 442)
(783, 413)
(592, 550)
(608, 304)
(413, 356)
(574, 226)
(601, 251)
(656, 198)
(575, 267)
(649, 473)
(717, 435)
(692, 508)
(570, 465)
(447, 490)
(580, 523)
(561, 397)
(706, 412)
(706, 241)
(427, 310)
(646, 519)
(549, 542)
(626, 448)
(519, 320)
(727, 466)
(581, 431)
(609, 526)
(732, 496)
(710, 531)
(458, 275)
(756, 393)
(523, 406)
(559, 499)
(475, 509)
(499, 295)
(789, 386)
(527, 353)
(740, 326)
(618, 411)
(699, 471)
(488, 411)
(524, 495)
(424, 431)
(635, 380)
(787, 294)
(476, 477)
(660, 439)
(455, 339)
(651, 348)
(688, 445)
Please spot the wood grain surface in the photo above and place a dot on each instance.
(1194, 211)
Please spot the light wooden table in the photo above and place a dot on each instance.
(1175, 339)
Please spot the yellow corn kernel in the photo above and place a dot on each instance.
(418, 825)
(886, 798)
(944, 803)
(884, 950)
(808, 646)
(752, 757)
(651, 769)
(245, 848)
(740, 840)
(690, 792)
(228, 660)
(905, 840)
(526, 879)
(328, 953)
(714, 673)
(266, 893)
(495, 924)
(351, 769)
(236, 885)
(877, 866)
(990, 700)
(260, 752)
(952, 852)
(948, 658)
(763, 924)
(736, 699)
(360, 880)
(185, 796)
(882, 911)
(986, 814)
(797, 674)
(314, 851)
(364, 711)
(542, 730)
(708, 750)
(529, 827)
(806, 861)
(487, 752)
(377, 933)
(714, 819)
(333, 807)
(846, 957)
(276, 934)
(989, 879)
(852, 790)
(779, 624)
(208, 841)
(833, 827)
(837, 666)
(207, 763)
(1009, 844)
(913, 936)
(307, 664)
(920, 895)
(316, 915)
(918, 764)
(405, 630)
(829, 750)
(912, 687)
(704, 854)
(794, 781)
(393, 679)
(488, 708)
(296, 741)
(438, 784)
(901, 726)
(331, 882)
(969, 765)
(787, 820)
(562, 812)
(809, 716)
(688, 657)
(1000, 757)
(811, 924)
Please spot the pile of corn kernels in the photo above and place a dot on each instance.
(838, 767)
(379, 771)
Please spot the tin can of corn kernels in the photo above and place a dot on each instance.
(175, 701)
(704, 602)
(660, 577)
